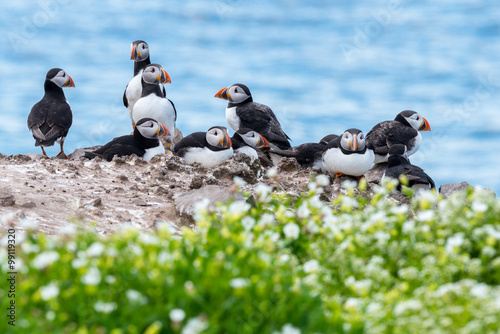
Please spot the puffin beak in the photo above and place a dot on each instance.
(262, 142)
(424, 126)
(354, 143)
(69, 82)
(132, 52)
(226, 141)
(162, 131)
(222, 94)
(164, 77)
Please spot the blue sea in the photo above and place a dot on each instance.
(322, 66)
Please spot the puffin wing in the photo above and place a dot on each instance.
(121, 146)
(173, 106)
(196, 139)
(50, 120)
(125, 100)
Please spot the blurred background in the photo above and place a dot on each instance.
(322, 66)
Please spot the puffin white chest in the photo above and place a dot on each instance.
(157, 108)
(134, 92)
(355, 164)
(232, 119)
(207, 157)
(249, 151)
(416, 144)
(151, 152)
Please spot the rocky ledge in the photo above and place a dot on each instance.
(105, 195)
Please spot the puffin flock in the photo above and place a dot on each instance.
(258, 133)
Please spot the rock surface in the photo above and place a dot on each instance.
(6, 196)
(447, 189)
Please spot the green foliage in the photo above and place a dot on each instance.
(283, 264)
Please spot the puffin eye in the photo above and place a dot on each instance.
(216, 133)
(236, 90)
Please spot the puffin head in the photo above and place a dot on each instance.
(217, 136)
(150, 128)
(139, 51)
(252, 138)
(398, 149)
(353, 140)
(155, 74)
(414, 120)
(236, 93)
(60, 78)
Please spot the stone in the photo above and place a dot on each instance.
(6, 196)
(447, 189)
(287, 165)
(374, 175)
(186, 202)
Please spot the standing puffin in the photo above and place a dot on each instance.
(51, 118)
(209, 148)
(398, 164)
(144, 142)
(404, 129)
(139, 53)
(349, 154)
(242, 112)
(153, 104)
(247, 142)
(308, 154)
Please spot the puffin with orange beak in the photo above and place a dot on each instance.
(242, 112)
(350, 154)
(405, 129)
(143, 142)
(248, 142)
(209, 148)
(51, 118)
(153, 104)
(139, 53)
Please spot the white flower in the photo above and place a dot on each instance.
(67, 229)
(410, 304)
(50, 315)
(426, 215)
(284, 258)
(195, 326)
(95, 249)
(135, 296)
(248, 222)
(456, 240)
(289, 329)
(110, 279)
(349, 201)
(239, 283)
(291, 231)
(149, 239)
(480, 290)
(266, 219)
(262, 190)
(322, 180)
(45, 259)
(238, 208)
(28, 247)
(239, 181)
(79, 262)
(398, 209)
(92, 276)
(352, 304)
(311, 266)
(492, 232)
(479, 206)
(349, 184)
(272, 172)
(303, 210)
(49, 291)
(177, 315)
(102, 307)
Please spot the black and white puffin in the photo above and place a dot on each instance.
(139, 53)
(51, 118)
(398, 164)
(153, 104)
(308, 154)
(350, 154)
(247, 142)
(209, 148)
(404, 129)
(143, 142)
(242, 112)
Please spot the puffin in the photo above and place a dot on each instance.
(308, 155)
(51, 117)
(247, 142)
(404, 129)
(350, 154)
(209, 148)
(143, 142)
(242, 112)
(153, 104)
(139, 53)
(398, 164)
